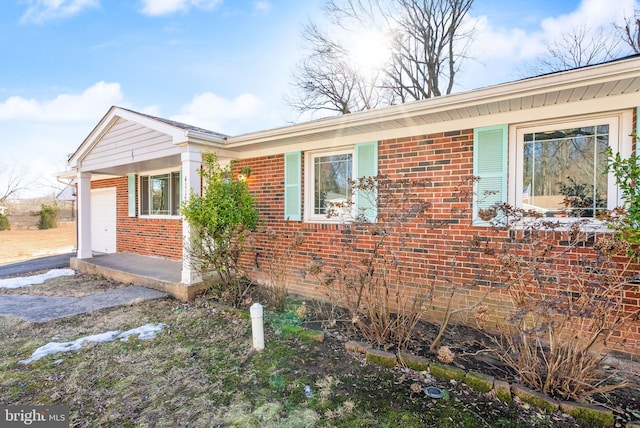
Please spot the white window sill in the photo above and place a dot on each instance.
(161, 217)
(563, 224)
(329, 220)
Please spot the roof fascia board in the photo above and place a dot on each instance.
(544, 113)
(206, 146)
(193, 136)
(178, 135)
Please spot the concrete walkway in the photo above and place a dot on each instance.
(41, 263)
(47, 308)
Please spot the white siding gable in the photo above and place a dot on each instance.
(126, 142)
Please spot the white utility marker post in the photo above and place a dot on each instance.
(257, 326)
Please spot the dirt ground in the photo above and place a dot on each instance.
(24, 244)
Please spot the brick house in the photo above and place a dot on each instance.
(134, 169)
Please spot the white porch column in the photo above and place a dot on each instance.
(83, 179)
(191, 183)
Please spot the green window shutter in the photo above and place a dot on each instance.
(293, 186)
(490, 151)
(132, 194)
(366, 165)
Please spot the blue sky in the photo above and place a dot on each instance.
(222, 65)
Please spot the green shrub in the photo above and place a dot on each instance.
(4, 222)
(48, 216)
(626, 219)
(220, 219)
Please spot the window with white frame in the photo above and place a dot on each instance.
(561, 168)
(160, 194)
(328, 183)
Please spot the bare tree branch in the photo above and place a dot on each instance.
(578, 47)
(630, 31)
(427, 48)
(326, 80)
(13, 180)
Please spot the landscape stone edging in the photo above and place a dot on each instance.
(382, 358)
(479, 381)
(535, 398)
(414, 362)
(303, 333)
(594, 415)
(502, 390)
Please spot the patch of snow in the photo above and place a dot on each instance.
(147, 331)
(26, 281)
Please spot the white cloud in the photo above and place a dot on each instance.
(39, 133)
(494, 42)
(216, 113)
(40, 11)
(262, 6)
(490, 42)
(498, 53)
(165, 7)
(91, 103)
(153, 110)
(590, 13)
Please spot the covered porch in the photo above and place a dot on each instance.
(131, 174)
(152, 272)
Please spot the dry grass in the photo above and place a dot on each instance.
(21, 244)
(164, 381)
(78, 285)
(201, 371)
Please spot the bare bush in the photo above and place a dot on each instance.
(275, 262)
(568, 304)
(364, 278)
(370, 277)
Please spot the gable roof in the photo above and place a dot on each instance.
(186, 127)
(177, 133)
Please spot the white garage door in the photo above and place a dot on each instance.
(103, 220)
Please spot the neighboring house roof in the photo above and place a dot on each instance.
(68, 193)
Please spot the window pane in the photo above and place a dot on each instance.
(160, 194)
(565, 171)
(175, 193)
(331, 181)
(144, 195)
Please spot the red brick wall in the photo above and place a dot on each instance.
(145, 236)
(432, 250)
